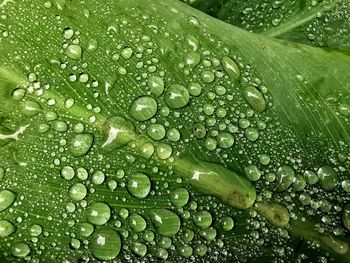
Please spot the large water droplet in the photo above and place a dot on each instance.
(7, 198)
(327, 177)
(179, 197)
(6, 228)
(177, 96)
(74, 51)
(105, 244)
(139, 185)
(254, 98)
(137, 222)
(202, 219)
(119, 132)
(285, 177)
(20, 250)
(143, 108)
(77, 192)
(80, 144)
(98, 213)
(231, 68)
(166, 222)
(156, 85)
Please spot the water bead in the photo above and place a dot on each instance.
(139, 249)
(163, 151)
(98, 177)
(7, 198)
(225, 140)
(252, 172)
(194, 89)
(143, 108)
(179, 197)
(231, 68)
(202, 219)
(67, 172)
(173, 134)
(77, 192)
(156, 131)
(20, 250)
(167, 223)
(137, 222)
(252, 134)
(227, 223)
(74, 51)
(199, 131)
(98, 213)
(80, 144)
(105, 244)
(156, 85)
(139, 185)
(285, 177)
(176, 96)
(327, 177)
(6, 228)
(254, 98)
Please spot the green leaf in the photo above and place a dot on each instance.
(323, 23)
(108, 108)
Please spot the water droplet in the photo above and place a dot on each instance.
(225, 140)
(252, 172)
(166, 222)
(264, 159)
(202, 219)
(127, 53)
(77, 192)
(18, 94)
(156, 131)
(68, 33)
(207, 76)
(227, 223)
(345, 184)
(176, 96)
(80, 144)
(299, 183)
(192, 59)
(179, 197)
(173, 134)
(74, 51)
(69, 103)
(252, 134)
(67, 172)
(85, 229)
(98, 213)
(139, 249)
(105, 244)
(186, 251)
(6, 228)
(194, 89)
(30, 108)
(199, 131)
(344, 109)
(327, 177)
(20, 250)
(285, 177)
(7, 198)
(143, 108)
(98, 177)
(92, 45)
(156, 85)
(311, 177)
(35, 230)
(209, 234)
(137, 222)
(139, 185)
(231, 68)
(254, 98)
(163, 151)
